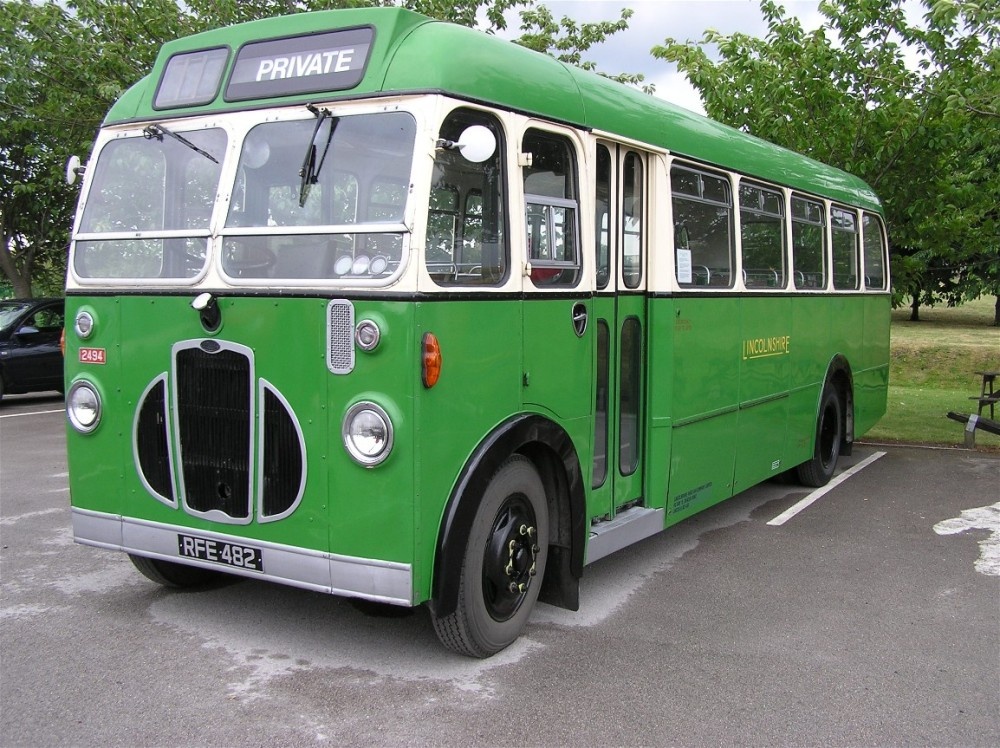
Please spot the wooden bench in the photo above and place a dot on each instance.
(973, 422)
(988, 396)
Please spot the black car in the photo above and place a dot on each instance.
(31, 359)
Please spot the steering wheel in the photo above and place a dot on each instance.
(250, 260)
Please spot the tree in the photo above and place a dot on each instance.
(62, 65)
(925, 137)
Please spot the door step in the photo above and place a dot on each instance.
(626, 528)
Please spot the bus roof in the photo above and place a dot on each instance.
(479, 67)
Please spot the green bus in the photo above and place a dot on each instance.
(388, 308)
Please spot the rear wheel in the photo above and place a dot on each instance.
(170, 574)
(503, 565)
(829, 434)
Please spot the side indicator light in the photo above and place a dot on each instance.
(431, 366)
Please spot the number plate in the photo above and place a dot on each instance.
(220, 552)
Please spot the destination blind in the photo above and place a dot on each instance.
(334, 61)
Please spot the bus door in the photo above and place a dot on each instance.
(619, 321)
(557, 353)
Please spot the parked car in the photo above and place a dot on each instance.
(31, 359)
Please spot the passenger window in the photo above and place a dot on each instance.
(808, 243)
(551, 210)
(470, 248)
(762, 231)
(845, 249)
(602, 228)
(874, 241)
(632, 215)
(703, 235)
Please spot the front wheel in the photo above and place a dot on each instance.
(829, 434)
(170, 574)
(503, 565)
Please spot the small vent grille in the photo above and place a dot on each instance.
(340, 337)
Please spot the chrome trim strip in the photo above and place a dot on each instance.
(335, 574)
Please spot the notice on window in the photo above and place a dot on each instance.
(683, 265)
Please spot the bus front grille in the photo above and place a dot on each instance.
(215, 419)
(213, 427)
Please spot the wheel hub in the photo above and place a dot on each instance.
(511, 558)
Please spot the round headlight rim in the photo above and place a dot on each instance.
(71, 414)
(364, 460)
(376, 333)
(84, 319)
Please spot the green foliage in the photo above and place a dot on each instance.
(62, 65)
(925, 136)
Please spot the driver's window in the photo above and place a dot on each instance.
(466, 217)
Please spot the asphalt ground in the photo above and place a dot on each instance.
(870, 618)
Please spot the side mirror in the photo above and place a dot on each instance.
(476, 144)
(74, 169)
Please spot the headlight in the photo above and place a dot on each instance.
(83, 407)
(367, 334)
(84, 325)
(367, 434)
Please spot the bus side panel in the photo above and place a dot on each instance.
(848, 338)
(98, 460)
(559, 368)
(763, 385)
(871, 385)
(811, 329)
(480, 386)
(706, 402)
(659, 400)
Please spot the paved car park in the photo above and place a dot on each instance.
(868, 618)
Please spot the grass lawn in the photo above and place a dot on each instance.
(932, 371)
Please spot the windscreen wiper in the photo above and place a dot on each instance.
(158, 131)
(310, 169)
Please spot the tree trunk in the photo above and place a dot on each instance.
(915, 308)
(996, 312)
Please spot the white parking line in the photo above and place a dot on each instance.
(33, 413)
(820, 492)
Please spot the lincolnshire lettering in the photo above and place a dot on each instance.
(761, 347)
(300, 66)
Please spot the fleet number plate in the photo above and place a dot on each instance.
(220, 552)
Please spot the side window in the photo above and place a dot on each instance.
(466, 217)
(874, 241)
(603, 228)
(442, 226)
(703, 234)
(632, 215)
(844, 224)
(762, 231)
(551, 210)
(808, 243)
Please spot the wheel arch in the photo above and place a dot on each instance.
(554, 456)
(839, 374)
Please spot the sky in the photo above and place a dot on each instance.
(655, 20)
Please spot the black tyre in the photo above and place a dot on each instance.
(829, 434)
(503, 565)
(170, 574)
